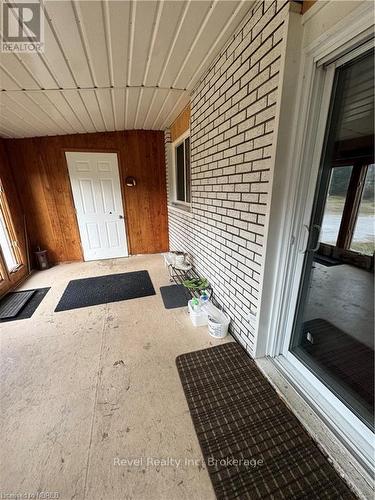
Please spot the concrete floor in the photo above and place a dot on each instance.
(343, 295)
(83, 389)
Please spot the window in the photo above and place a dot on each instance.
(9, 249)
(364, 233)
(349, 210)
(182, 171)
(338, 188)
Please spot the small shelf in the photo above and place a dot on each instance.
(179, 275)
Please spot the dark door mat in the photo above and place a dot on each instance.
(13, 302)
(345, 358)
(238, 416)
(31, 306)
(103, 289)
(327, 261)
(174, 296)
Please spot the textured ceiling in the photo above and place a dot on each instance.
(113, 65)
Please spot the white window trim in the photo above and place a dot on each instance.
(183, 206)
(304, 145)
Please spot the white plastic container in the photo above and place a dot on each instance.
(198, 318)
(218, 322)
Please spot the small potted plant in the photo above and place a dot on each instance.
(196, 285)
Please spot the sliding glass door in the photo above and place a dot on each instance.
(333, 332)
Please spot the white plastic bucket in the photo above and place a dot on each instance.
(218, 323)
(198, 318)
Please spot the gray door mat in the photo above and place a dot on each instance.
(31, 306)
(13, 302)
(103, 289)
(252, 444)
(174, 296)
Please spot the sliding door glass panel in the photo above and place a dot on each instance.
(338, 188)
(333, 333)
(364, 233)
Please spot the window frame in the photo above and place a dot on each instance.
(175, 201)
(352, 203)
(10, 278)
(12, 236)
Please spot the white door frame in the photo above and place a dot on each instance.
(121, 250)
(317, 70)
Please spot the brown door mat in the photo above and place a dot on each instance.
(252, 444)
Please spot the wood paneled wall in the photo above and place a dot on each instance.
(181, 123)
(307, 4)
(15, 209)
(42, 180)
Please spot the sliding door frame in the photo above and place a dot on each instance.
(318, 65)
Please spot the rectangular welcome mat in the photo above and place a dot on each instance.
(30, 306)
(174, 296)
(253, 446)
(103, 289)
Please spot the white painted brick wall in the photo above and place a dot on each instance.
(232, 124)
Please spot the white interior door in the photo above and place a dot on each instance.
(95, 182)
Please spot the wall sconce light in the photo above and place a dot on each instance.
(130, 181)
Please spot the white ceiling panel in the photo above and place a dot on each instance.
(106, 107)
(68, 32)
(32, 118)
(157, 101)
(77, 104)
(144, 104)
(166, 108)
(192, 21)
(93, 27)
(168, 25)
(17, 122)
(7, 82)
(24, 106)
(144, 19)
(62, 104)
(17, 71)
(131, 107)
(37, 68)
(36, 109)
(91, 103)
(118, 99)
(180, 103)
(47, 104)
(218, 19)
(113, 64)
(55, 57)
(118, 14)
